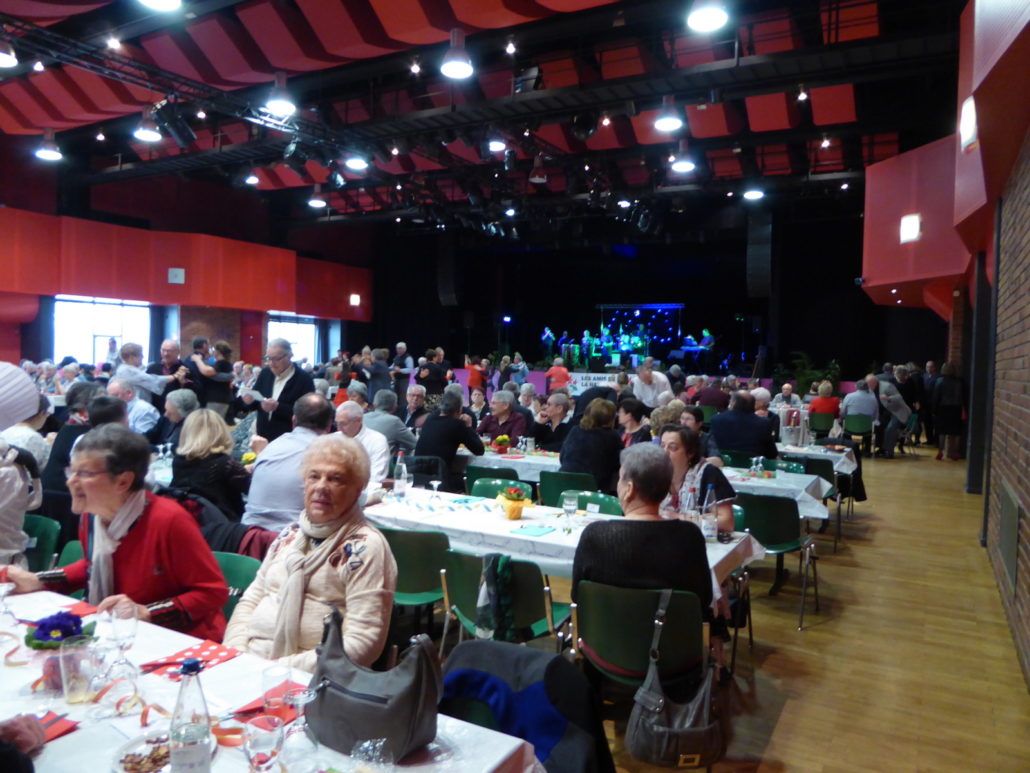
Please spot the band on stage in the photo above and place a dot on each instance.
(628, 345)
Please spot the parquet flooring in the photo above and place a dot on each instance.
(910, 666)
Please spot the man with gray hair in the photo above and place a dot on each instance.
(401, 370)
(384, 420)
(415, 413)
(358, 393)
(549, 427)
(145, 385)
(142, 415)
(350, 423)
(280, 385)
(648, 385)
(503, 419)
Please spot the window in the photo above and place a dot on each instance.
(84, 327)
(301, 332)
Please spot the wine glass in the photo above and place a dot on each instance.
(435, 498)
(262, 743)
(300, 747)
(7, 617)
(121, 622)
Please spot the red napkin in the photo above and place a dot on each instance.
(210, 653)
(59, 728)
(512, 456)
(81, 608)
(258, 703)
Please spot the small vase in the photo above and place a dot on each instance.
(512, 507)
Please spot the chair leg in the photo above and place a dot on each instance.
(837, 537)
(446, 625)
(750, 631)
(778, 580)
(804, 589)
(814, 560)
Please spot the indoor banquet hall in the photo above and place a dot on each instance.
(514, 385)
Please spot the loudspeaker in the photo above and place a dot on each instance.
(446, 272)
(759, 254)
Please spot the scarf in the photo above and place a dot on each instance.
(106, 539)
(303, 559)
(691, 480)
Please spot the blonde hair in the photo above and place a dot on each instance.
(345, 451)
(204, 433)
(825, 389)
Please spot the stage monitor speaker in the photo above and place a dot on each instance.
(759, 254)
(446, 272)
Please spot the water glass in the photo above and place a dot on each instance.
(262, 743)
(273, 680)
(7, 617)
(570, 503)
(300, 747)
(76, 668)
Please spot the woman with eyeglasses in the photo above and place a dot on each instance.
(140, 549)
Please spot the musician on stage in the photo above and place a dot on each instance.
(547, 343)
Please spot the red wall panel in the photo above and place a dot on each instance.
(972, 217)
(324, 290)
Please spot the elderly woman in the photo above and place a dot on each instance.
(825, 402)
(204, 464)
(690, 470)
(141, 549)
(762, 399)
(179, 404)
(592, 446)
(332, 556)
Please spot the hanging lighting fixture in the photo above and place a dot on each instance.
(317, 200)
(457, 64)
(7, 56)
(279, 102)
(48, 150)
(670, 118)
(707, 15)
(356, 162)
(147, 130)
(680, 162)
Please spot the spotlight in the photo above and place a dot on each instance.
(526, 132)
(669, 119)
(38, 66)
(680, 162)
(510, 48)
(170, 121)
(624, 203)
(399, 187)
(317, 200)
(510, 211)
(356, 162)
(7, 56)
(336, 180)
(100, 136)
(825, 143)
(506, 319)
(753, 194)
(162, 5)
(899, 300)
(844, 186)
(496, 146)
(251, 178)
(538, 176)
(707, 15)
(457, 64)
(114, 43)
(48, 150)
(894, 291)
(394, 151)
(201, 115)
(296, 156)
(802, 94)
(729, 194)
(279, 102)
(606, 121)
(396, 220)
(147, 130)
(416, 68)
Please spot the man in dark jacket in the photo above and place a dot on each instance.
(740, 430)
(281, 383)
(169, 365)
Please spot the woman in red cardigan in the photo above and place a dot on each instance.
(825, 402)
(140, 548)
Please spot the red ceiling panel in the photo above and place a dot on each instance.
(571, 6)
(724, 163)
(418, 22)
(348, 28)
(109, 94)
(849, 20)
(496, 84)
(34, 106)
(554, 133)
(284, 36)
(461, 150)
(424, 164)
(634, 173)
(690, 51)
(12, 120)
(718, 120)
(829, 159)
(879, 147)
(622, 59)
(833, 104)
(174, 50)
(772, 112)
(769, 33)
(66, 94)
(773, 159)
(494, 14)
(643, 128)
(559, 73)
(609, 137)
(352, 111)
(231, 51)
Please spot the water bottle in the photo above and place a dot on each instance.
(400, 475)
(709, 522)
(689, 508)
(190, 735)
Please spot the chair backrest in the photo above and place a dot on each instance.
(606, 503)
(738, 518)
(784, 465)
(70, 553)
(528, 603)
(463, 572)
(239, 572)
(823, 468)
(489, 487)
(474, 472)
(419, 556)
(736, 459)
(858, 424)
(709, 411)
(43, 533)
(820, 422)
(771, 520)
(552, 484)
(616, 625)
(425, 468)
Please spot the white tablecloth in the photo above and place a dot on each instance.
(458, 745)
(843, 461)
(807, 490)
(478, 526)
(528, 466)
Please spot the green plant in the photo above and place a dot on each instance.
(803, 372)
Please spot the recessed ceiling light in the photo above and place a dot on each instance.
(38, 66)
(753, 194)
(899, 300)
(100, 136)
(825, 143)
(396, 220)
(911, 226)
(894, 291)
(707, 15)
(729, 194)
(395, 151)
(399, 187)
(416, 68)
(844, 186)
(606, 121)
(114, 43)
(510, 48)
(510, 211)
(802, 94)
(201, 115)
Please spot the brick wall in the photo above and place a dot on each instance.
(956, 325)
(1010, 454)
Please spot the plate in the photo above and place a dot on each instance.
(144, 744)
(837, 448)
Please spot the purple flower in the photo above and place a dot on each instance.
(58, 627)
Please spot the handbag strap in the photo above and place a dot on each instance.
(650, 694)
(659, 623)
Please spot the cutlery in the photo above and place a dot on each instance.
(53, 721)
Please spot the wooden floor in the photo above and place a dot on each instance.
(910, 666)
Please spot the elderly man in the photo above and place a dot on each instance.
(276, 494)
(712, 396)
(894, 413)
(415, 413)
(145, 385)
(380, 375)
(384, 420)
(401, 370)
(503, 420)
(862, 402)
(280, 384)
(350, 423)
(648, 385)
(786, 398)
(142, 415)
(169, 364)
(549, 428)
(740, 430)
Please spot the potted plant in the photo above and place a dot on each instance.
(501, 444)
(512, 500)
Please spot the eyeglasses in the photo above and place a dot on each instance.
(280, 358)
(84, 474)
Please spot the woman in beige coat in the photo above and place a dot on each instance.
(331, 556)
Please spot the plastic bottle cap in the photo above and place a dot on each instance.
(191, 667)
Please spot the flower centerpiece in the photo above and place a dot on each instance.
(248, 458)
(51, 631)
(501, 444)
(512, 500)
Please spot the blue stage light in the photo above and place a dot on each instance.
(506, 319)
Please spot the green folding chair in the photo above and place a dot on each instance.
(783, 465)
(612, 629)
(824, 469)
(606, 503)
(420, 557)
(862, 426)
(736, 459)
(552, 484)
(474, 472)
(70, 553)
(43, 533)
(775, 523)
(709, 411)
(820, 423)
(491, 487)
(741, 580)
(239, 572)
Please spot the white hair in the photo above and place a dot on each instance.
(761, 395)
(350, 410)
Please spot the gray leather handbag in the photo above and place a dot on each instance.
(356, 704)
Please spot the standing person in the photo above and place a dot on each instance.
(169, 364)
(949, 398)
(503, 371)
(144, 384)
(910, 394)
(433, 378)
(401, 370)
(282, 384)
(477, 373)
(25, 434)
(216, 378)
(557, 376)
(547, 343)
(519, 370)
(930, 378)
(201, 351)
(894, 413)
(441, 435)
(379, 374)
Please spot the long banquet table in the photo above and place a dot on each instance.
(94, 745)
(477, 526)
(807, 490)
(528, 466)
(844, 462)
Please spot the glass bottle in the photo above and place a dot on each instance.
(190, 734)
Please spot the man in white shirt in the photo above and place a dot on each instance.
(144, 384)
(786, 398)
(648, 385)
(350, 422)
(142, 415)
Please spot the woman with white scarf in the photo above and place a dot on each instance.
(690, 470)
(140, 549)
(331, 557)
